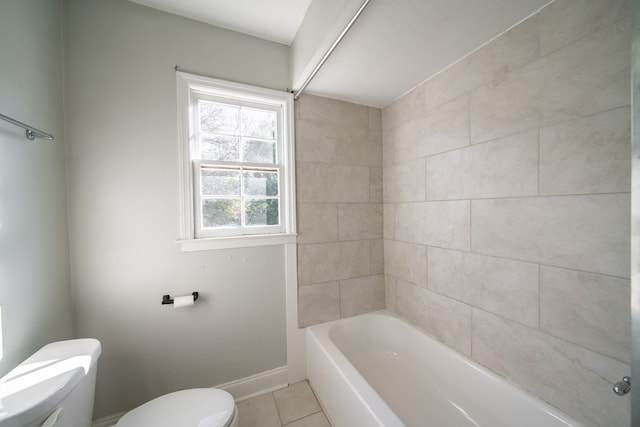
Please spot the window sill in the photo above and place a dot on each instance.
(214, 243)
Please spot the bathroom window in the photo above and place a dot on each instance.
(237, 164)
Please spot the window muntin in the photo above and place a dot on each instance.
(237, 199)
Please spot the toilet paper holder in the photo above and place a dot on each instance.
(166, 299)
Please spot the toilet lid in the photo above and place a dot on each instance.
(198, 407)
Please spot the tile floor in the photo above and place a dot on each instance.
(294, 406)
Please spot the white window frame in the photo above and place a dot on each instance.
(190, 85)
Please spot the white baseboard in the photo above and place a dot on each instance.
(241, 389)
(254, 385)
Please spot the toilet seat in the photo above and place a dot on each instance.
(198, 407)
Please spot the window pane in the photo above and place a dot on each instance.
(220, 213)
(220, 182)
(220, 148)
(259, 123)
(259, 151)
(262, 212)
(261, 183)
(219, 118)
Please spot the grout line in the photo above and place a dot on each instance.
(340, 297)
(470, 225)
(539, 160)
(539, 297)
(273, 397)
(469, 139)
(573, 42)
(528, 129)
(489, 255)
(532, 196)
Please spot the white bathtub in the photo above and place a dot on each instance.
(378, 370)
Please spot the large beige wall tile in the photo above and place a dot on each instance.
(576, 380)
(442, 224)
(446, 126)
(324, 262)
(343, 114)
(404, 109)
(359, 221)
(411, 222)
(589, 233)
(316, 141)
(317, 108)
(354, 116)
(546, 122)
(406, 140)
(598, 315)
(501, 286)
(448, 224)
(389, 221)
(332, 183)
(514, 49)
(447, 273)
(375, 119)
(377, 256)
(565, 21)
(359, 147)
(501, 168)
(442, 128)
(390, 284)
(587, 155)
(375, 185)
(388, 148)
(602, 60)
(361, 295)
(317, 222)
(340, 210)
(446, 319)
(318, 303)
(406, 261)
(404, 182)
(586, 77)
(509, 105)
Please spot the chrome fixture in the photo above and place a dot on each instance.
(32, 133)
(297, 93)
(622, 387)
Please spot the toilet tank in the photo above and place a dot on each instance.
(53, 387)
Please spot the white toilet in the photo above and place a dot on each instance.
(55, 387)
(197, 407)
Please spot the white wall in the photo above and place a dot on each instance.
(123, 188)
(35, 293)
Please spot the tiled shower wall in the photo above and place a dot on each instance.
(506, 206)
(339, 212)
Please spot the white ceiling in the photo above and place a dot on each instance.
(274, 20)
(394, 45)
(397, 44)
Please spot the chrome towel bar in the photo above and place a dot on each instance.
(32, 133)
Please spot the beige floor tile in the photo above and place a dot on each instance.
(295, 402)
(316, 420)
(258, 412)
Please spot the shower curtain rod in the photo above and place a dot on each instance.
(297, 93)
(32, 133)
